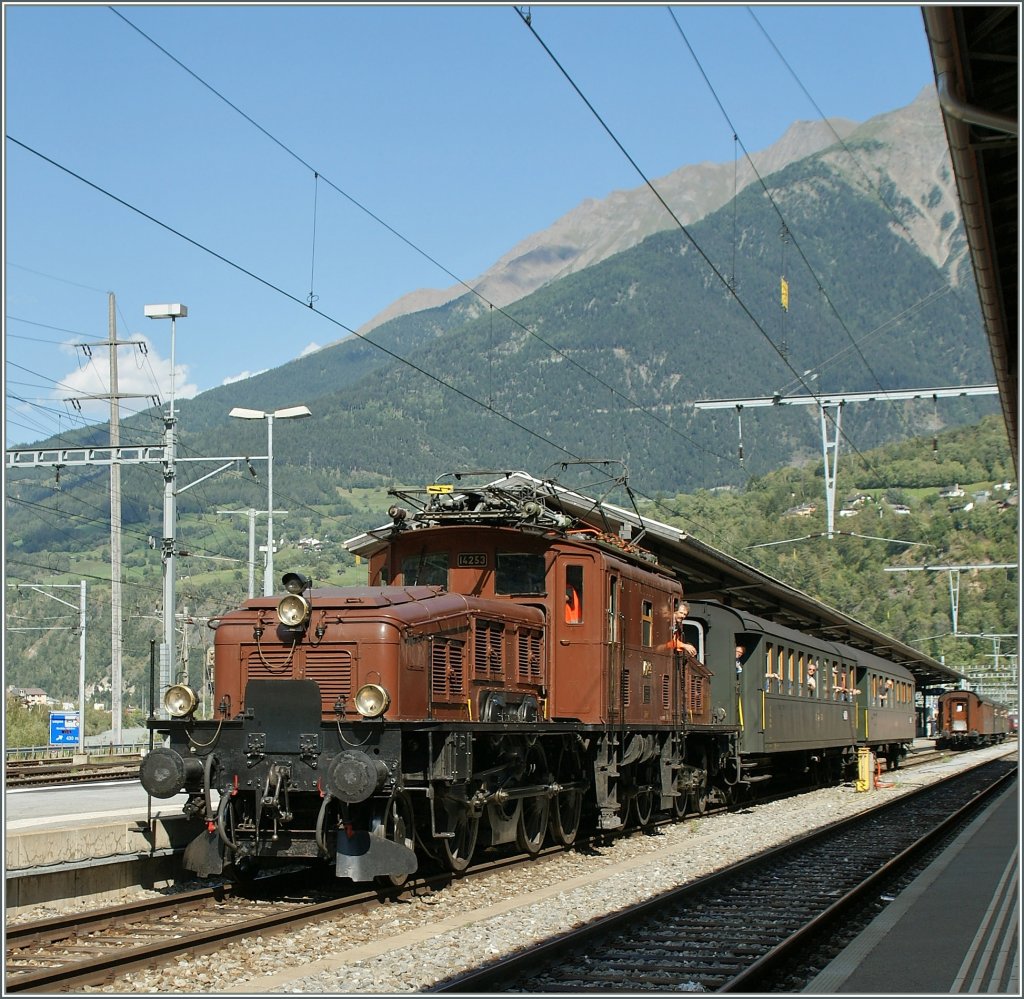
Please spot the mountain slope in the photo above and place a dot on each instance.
(908, 151)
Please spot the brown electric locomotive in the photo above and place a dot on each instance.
(508, 676)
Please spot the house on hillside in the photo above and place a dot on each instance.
(32, 696)
(954, 492)
(803, 510)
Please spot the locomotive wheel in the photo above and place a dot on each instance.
(679, 805)
(567, 807)
(643, 807)
(532, 826)
(643, 797)
(398, 827)
(457, 850)
(699, 798)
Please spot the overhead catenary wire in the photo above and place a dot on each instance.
(324, 315)
(786, 237)
(680, 225)
(314, 219)
(286, 294)
(633, 403)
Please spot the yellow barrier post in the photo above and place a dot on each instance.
(863, 769)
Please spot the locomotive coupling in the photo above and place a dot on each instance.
(164, 772)
(353, 776)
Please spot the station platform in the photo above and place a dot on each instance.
(87, 842)
(956, 928)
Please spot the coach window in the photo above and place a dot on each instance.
(884, 693)
(426, 569)
(647, 623)
(613, 609)
(792, 672)
(574, 594)
(800, 673)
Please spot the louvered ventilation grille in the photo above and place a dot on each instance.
(530, 649)
(666, 692)
(487, 642)
(624, 688)
(332, 670)
(446, 669)
(271, 664)
(697, 696)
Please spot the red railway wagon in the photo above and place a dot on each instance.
(968, 720)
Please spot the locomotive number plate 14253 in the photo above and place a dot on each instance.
(472, 560)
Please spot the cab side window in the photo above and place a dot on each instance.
(647, 624)
(574, 594)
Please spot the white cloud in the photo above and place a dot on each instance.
(141, 371)
(241, 376)
(311, 348)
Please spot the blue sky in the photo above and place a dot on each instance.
(449, 123)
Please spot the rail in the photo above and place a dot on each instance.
(48, 753)
(735, 929)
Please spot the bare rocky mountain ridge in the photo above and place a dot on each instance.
(909, 151)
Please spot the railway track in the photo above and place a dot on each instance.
(92, 948)
(744, 928)
(40, 773)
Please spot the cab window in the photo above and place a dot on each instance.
(426, 569)
(519, 572)
(574, 594)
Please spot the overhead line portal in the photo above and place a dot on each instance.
(836, 401)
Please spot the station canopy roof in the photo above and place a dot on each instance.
(709, 574)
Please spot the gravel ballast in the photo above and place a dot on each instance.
(410, 945)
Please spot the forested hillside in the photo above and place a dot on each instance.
(69, 541)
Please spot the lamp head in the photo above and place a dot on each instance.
(175, 311)
(296, 582)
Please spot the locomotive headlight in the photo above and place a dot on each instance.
(180, 700)
(293, 610)
(372, 700)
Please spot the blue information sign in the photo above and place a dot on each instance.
(64, 728)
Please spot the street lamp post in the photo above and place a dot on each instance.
(168, 649)
(291, 413)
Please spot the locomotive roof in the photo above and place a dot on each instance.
(706, 572)
(980, 698)
(408, 602)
